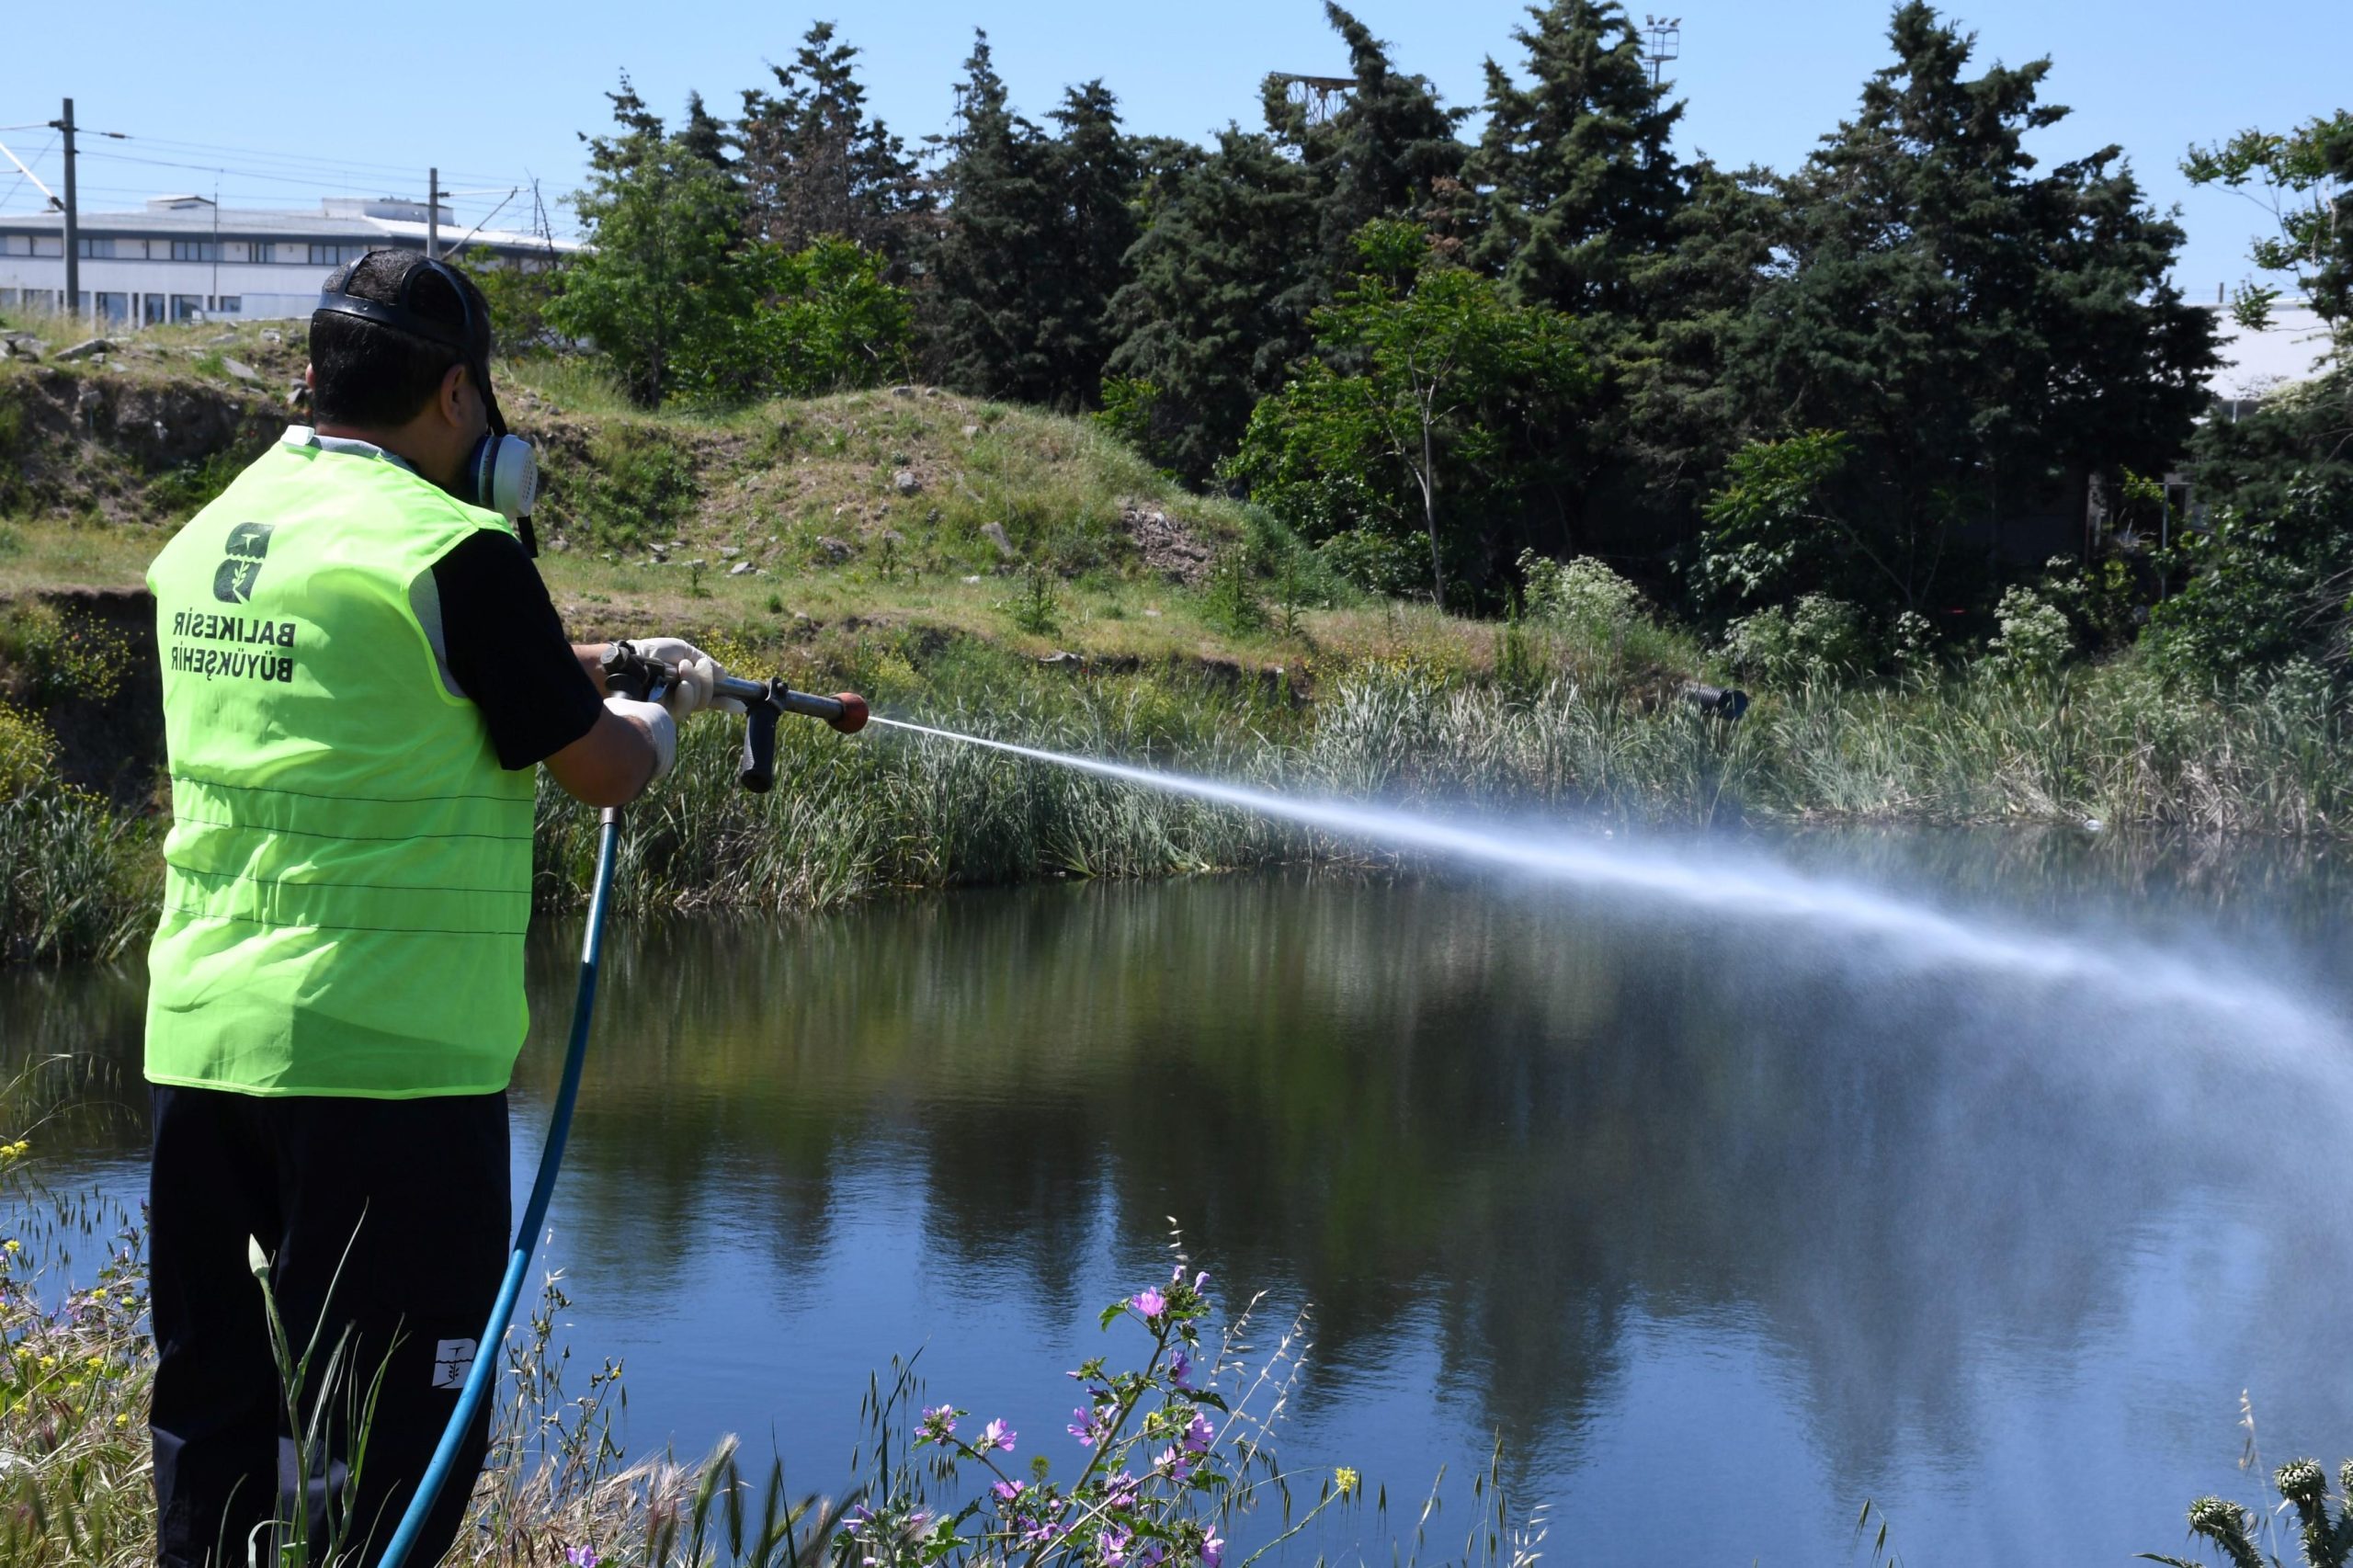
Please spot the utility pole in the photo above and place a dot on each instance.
(72, 217)
(432, 214)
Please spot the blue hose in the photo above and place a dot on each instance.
(527, 1234)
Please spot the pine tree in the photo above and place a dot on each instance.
(1576, 182)
(1211, 319)
(814, 164)
(992, 274)
(1390, 151)
(1976, 330)
(704, 136)
(1096, 177)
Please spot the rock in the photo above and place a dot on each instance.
(971, 581)
(271, 334)
(240, 369)
(834, 550)
(728, 552)
(84, 349)
(903, 392)
(1151, 612)
(740, 568)
(697, 565)
(995, 533)
(222, 337)
(972, 430)
(891, 536)
(1060, 656)
(297, 396)
(659, 552)
(1166, 544)
(905, 483)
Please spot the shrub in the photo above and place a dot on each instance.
(2034, 638)
(59, 654)
(1230, 598)
(1819, 638)
(27, 752)
(1581, 593)
(1376, 562)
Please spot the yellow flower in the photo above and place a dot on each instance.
(12, 1244)
(1346, 1479)
(121, 1418)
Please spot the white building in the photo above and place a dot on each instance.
(185, 260)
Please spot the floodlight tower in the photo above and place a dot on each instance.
(1662, 41)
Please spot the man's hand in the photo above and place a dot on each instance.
(698, 676)
(627, 748)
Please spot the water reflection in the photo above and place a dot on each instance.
(1666, 1204)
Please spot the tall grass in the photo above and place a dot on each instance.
(1591, 734)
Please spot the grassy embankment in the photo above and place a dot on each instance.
(1020, 575)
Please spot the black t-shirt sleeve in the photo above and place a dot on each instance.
(507, 649)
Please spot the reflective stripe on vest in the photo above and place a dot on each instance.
(348, 873)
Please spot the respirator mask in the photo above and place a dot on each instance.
(502, 474)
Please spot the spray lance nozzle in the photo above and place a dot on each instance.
(634, 674)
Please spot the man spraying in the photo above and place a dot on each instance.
(361, 673)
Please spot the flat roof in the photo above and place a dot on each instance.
(230, 224)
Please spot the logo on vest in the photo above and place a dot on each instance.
(232, 582)
(453, 1360)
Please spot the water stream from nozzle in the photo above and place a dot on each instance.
(1908, 932)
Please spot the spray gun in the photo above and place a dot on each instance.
(634, 674)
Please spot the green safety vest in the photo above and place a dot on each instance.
(349, 868)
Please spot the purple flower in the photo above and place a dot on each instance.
(1035, 1532)
(859, 1514)
(1151, 1304)
(580, 1556)
(1151, 1555)
(1175, 1461)
(1006, 1490)
(939, 1421)
(1199, 1436)
(997, 1435)
(1114, 1542)
(1180, 1367)
(1120, 1492)
(1212, 1551)
(1086, 1426)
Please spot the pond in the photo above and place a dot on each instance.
(1721, 1219)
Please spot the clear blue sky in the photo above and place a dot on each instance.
(494, 93)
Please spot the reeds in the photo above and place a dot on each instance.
(1587, 732)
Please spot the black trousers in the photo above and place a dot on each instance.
(408, 1201)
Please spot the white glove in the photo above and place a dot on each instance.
(661, 728)
(698, 674)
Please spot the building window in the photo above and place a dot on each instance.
(110, 249)
(49, 244)
(335, 256)
(195, 250)
(16, 244)
(112, 307)
(228, 304)
(187, 307)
